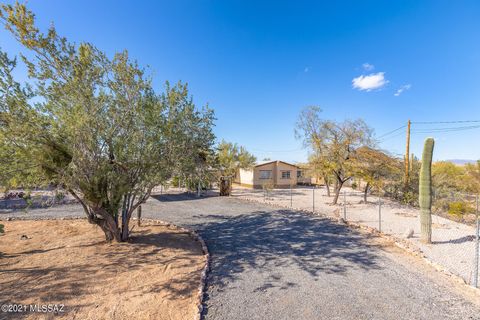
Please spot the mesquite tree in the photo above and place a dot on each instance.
(375, 168)
(333, 143)
(425, 192)
(93, 125)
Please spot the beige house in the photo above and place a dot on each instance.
(280, 174)
(305, 177)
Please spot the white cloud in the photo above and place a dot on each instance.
(367, 66)
(370, 82)
(401, 89)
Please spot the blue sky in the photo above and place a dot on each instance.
(258, 63)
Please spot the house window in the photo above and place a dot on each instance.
(299, 173)
(285, 174)
(265, 174)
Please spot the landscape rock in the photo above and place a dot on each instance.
(408, 234)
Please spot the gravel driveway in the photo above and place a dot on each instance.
(270, 263)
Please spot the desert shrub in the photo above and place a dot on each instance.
(354, 186)
(268, 186)
(59, 196)
(410, 198)
(459, 208)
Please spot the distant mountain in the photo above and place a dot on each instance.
(461, 162)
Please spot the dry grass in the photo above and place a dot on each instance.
(155, 276)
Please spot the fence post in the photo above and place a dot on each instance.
(139, 216)
(291, 197)
(475, 273)
(313, 201)
(344, 205)
(379, 213)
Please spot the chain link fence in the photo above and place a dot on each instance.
(455, 221)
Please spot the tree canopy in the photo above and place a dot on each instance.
(232, 157)
(93, 125)
(333, 143)
(375, 168)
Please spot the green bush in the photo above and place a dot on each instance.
(1, 228)
(354, 185)
(410, 198)
(459, 208)
(59, 196)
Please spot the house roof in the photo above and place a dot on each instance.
(261, 163)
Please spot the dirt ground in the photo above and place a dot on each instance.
(67, 262)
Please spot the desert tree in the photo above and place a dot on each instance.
(93, 125)
(319, 168)
(231, 158)
(335, 143)
(375, 168)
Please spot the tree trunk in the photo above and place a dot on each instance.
(139, 216)
(225, 187)
(365, 192)
(108, 225)
(125, 230)
(338, 187)
(327, 184)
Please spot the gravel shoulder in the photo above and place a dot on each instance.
(270, 263)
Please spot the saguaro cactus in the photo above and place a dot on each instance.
(425, 192)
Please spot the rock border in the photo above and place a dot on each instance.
(206, 268)
(192, 233)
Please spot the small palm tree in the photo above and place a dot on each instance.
(231, 158)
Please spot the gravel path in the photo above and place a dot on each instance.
(453, 245)
(270, 263)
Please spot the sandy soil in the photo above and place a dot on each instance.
(156, 276)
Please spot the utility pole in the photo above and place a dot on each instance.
(407, 156)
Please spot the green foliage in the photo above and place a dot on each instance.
(448, 178)
(472, 177)
(2, 228)
(375, 168)
(94, 125)
(333, 144)
(232, 157)
(459, 208)
(425, 191)
(409, 198)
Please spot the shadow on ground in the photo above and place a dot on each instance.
(272, 240)
(184, 196)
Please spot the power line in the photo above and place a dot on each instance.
(390, 132)
(391, 137)
(435, 122)
(446, 129)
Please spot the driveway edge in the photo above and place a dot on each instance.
(206, 268)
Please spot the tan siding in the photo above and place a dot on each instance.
(256, 173)
(286, 167)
